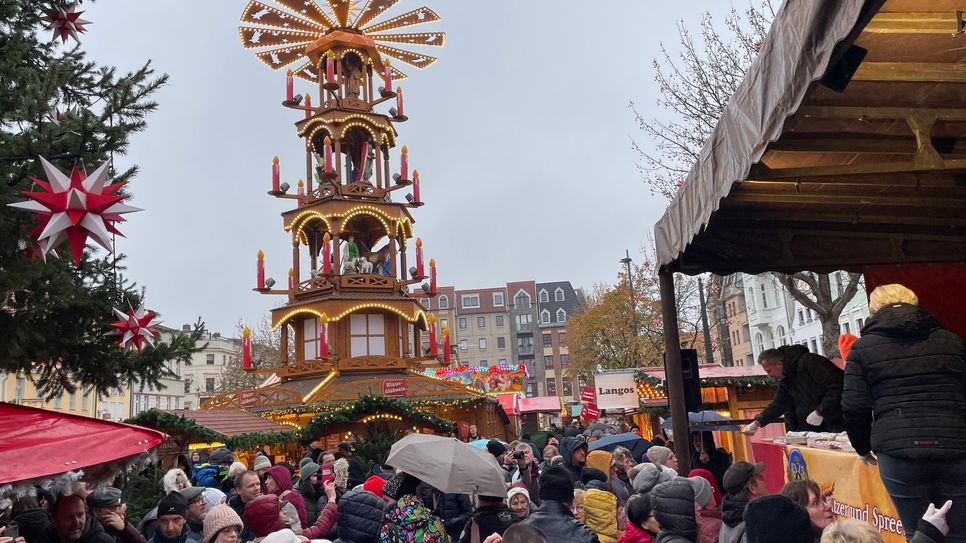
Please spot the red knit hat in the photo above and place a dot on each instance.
(374, 484)
(845, 344)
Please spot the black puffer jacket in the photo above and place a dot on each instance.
(454, 509)
(909, 373)
(557, 523)
(33, 523)
(360, 517)
(491, 518)
(673, 503)
(812, 382)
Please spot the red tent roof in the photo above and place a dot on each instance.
(41, 443)
(540, 404)
(229, 422)
(510, 403)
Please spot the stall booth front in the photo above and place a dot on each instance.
(841, 151)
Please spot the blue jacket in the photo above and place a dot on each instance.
(158, 537)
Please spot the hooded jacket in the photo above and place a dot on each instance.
(733, 518)
(159, 537)
(33, 524)
(600, 514)
(93, 533)
(283, 478)
(491, 518)
(811, 383)
(412, 522)
(557, 523)
(567, 448)
(909, 372)
(360, 517)
(633, 534)
(673, 503)
(261, 515)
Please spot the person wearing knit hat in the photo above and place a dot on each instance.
(399, 485)
(409, 516)
(492, 516)
(375, 485)
(222, 525)
(649, 476)
(518, 499)
(708, 476)
(308, 487)
(172, 524)
(261, 465)
(497, 449)
(709, 525)
(213, 497)
(777, 519)
(594, 478)
(662, 456)
(554, 517)
(303, 461)
(283, 536)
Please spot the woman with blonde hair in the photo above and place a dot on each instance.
(904, 399)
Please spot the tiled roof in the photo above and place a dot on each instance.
(230, 422)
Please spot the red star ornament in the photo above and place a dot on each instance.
(74, 209)
(65, 21)
(135, 328)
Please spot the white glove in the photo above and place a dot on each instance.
(814, 418)
(869, 459)
(751, 428)
(937, 517)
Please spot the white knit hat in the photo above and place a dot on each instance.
(517, 490)
(283, 536)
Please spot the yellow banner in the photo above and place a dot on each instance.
(856, 489)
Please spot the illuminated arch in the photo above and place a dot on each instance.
(417, 316)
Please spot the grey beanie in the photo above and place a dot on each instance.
(658, 454)
(649, 477)
(702, 490)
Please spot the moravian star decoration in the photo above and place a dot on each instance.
(65, 21)
(279, 32)
(75, 208)
(135, 328)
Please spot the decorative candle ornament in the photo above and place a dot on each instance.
(404, 163)
(432, 275)
(446, 346)
(420, 272)
(291, 279)
(247, 348)
(323, 341)
(289, 87)
(399, 103)
(330, 70)
(326, 252)
(275, 175)
(416, 198)
(260, 270)
(327, 153)
(387, 78)
(308, 105)
(433, 346)
(301, 192)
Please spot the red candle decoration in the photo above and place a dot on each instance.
(433, 346)
(416, 198)
(247, 348)
(275, 175)
(420, 272)
(326, 252)
(432, 275)
(330, 70)
(323, 341)
(404, 163)
(327, 153)
(399, 102)
(446, 354)
(308, 105)
(289, 87)
(261, 270)
(387, 77)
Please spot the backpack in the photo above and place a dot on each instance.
(207, 475)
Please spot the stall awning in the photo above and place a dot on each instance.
(541, 404)
(798, 176)
(510, 403)
(229, 422)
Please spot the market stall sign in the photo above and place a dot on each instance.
(587, 395)
(616, 390)
(248, 398)
(396, 387)
(590, 412)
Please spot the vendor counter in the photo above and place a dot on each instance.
(855, 488)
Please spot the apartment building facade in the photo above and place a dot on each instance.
(483, 327)
(523, 319)
(201, 377)
(556, 302)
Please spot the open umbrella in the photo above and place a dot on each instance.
(697, 422)
(448, 465)
(479, 443)
(602, 427)
(631, 441)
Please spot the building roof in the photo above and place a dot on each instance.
(712, 371)
(541, 404)
(486, 301)
(571, 303)
(230, 422)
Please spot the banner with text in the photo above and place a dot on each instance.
(616, 390)
(856, 489)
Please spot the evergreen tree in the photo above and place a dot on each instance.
(53, 314)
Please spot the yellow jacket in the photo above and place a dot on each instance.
(600, 514)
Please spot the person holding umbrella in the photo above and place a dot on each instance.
(706, 455)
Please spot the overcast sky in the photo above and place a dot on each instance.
(520, 131)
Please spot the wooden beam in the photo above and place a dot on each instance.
(880, 112)
(930, 22)
(760, 171)
(862, 143)
(787, 197)
(865, 182)
(936, 72)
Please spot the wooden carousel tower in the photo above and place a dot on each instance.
(351, 313)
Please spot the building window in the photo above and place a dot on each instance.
(499, 321)
(367, 334)
(813, 345)
(524, 321)
(425, 302)
(72, 401)
(858, 324)
(187, 387)
(568, 388)
(545, 317)
(781, 335)
(469, 301)
(481, 322)
(558, 295)
(737, 337)
(502, 362)
(581, 381)
(564, 358)
(484, 363)
(760, 342)
(808, 314)
(522, 300)
(530, 390)
(562, 339)
(551, 387)
(443, 302)
(801, 317)
(310, 338)
(547, 341)
(548, 362)
(482, 343)
(561, 315)
(209, 384)
(501, 342)
(464, 345)
(764, 297)
(19, 391)
(498, 299)
(58, 402)
(84, 399)
(462, 323)
(444, 323)
(210, 359)
(544, 296)
(846, 328)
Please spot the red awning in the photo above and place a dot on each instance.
(540, 404)
(510, 403)
(40, 443)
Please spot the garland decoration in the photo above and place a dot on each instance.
(160, 420)
(370, 405)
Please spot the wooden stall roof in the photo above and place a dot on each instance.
(229, 422)
(798, 176)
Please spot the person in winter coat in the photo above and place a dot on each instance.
(650, 476)
(308, 488)
(215, 472)
(106, 506)
(360, 517)
(809, 391)
(31, 518)
(548, 453)
(600, 514)
(706, 455)
(341, 469)
(706, 511)
(454, 509)
(263, 516)
(743, 482)
(195, 514)
(641, 527)
(222, 525)
(278, 481)
(621, 462)
(525, 470)
(172, 520)
(574, 452)
(663, 457)
(673, 503)
(777, 519)
(554, 518)
(409, 520)
(810, 497)
(518, 500)
(715, 486)
(71, 523)
(492, 516)
(905, 401)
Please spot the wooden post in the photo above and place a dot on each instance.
(675, 375)
(338, 160)
(295, 258)
(403, 271)
(284, 345)
(393, 265)
(336, 245)
(308, 170)
(378, 166)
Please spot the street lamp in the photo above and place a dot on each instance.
(626, 261)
